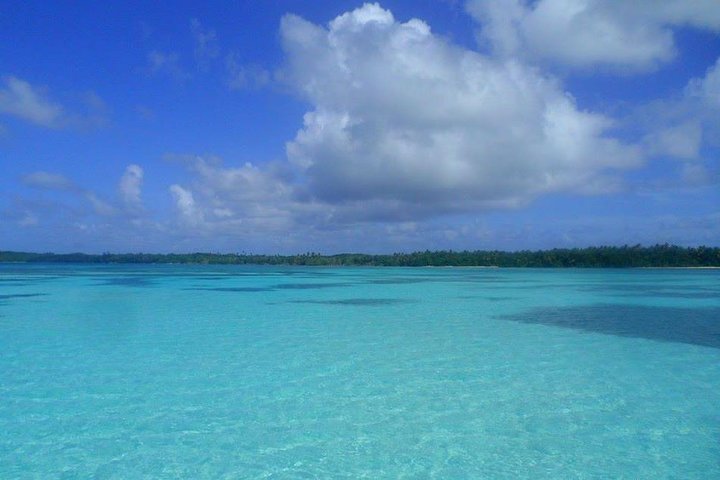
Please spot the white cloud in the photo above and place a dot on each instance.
(223, 198)
(706, 89)
(406, 127)
(685, 126)
(681, 141)
(31, 103)
(632, 35)
(407, 124)
(130, 187)
(20, 99)
(186, 205)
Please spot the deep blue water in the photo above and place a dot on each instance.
(278, 372)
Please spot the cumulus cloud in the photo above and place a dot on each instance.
(130, 187)
(706, 89)
(632, 35)
(406, 127)
(232, 198)
(685, 127)
(681, 140)
(405, 122)
(185, 203)
(20, 99)
(703, 94)
(411, 135)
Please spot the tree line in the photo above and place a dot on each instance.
(590, 257)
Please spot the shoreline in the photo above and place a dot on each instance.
(656, 256)
(522, 267)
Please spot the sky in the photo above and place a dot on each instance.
(293, 126)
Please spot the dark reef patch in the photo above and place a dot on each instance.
(309, 286)
(400, 281)
(670, 294)
(363, 302)
(208, 277)
(696, 326)
(21, 295)
(489, 278)
(489, 299)
(6, 298)
(23, 281)
(232, 289)
(675, 291)
(139, 281)
(270, 288)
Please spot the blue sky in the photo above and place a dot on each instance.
(292, 126)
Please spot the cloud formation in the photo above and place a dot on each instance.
(707, 88)
(405, 126)
(407, 121)
(130, 187)
(632, 35)
(410, 140)
(186, 205)
(223, 198)
(22, 100)
(685, 128)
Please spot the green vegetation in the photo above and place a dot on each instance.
(592, 257)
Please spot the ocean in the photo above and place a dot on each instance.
(204, 371)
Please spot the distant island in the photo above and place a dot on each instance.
(636, 256)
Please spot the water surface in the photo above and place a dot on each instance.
(278, 372)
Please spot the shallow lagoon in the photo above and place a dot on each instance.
(172, 371)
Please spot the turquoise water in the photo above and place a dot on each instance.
(278, 372)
